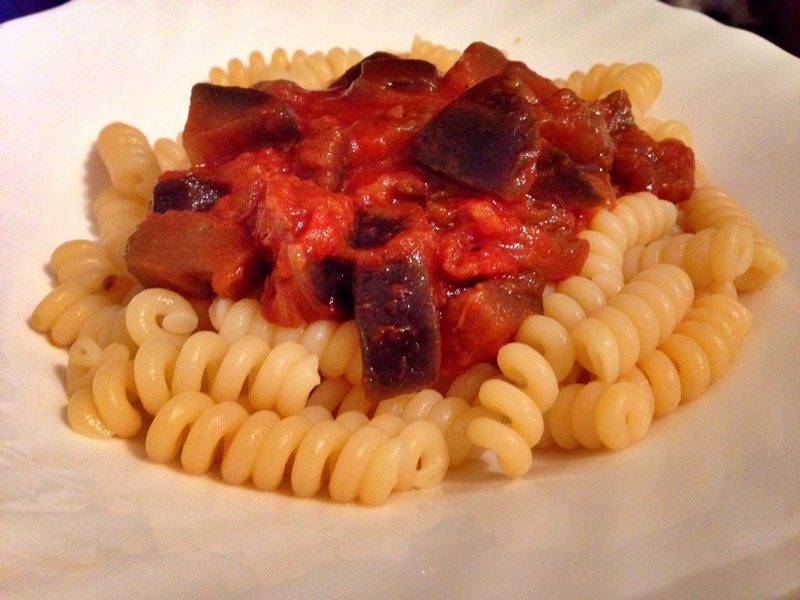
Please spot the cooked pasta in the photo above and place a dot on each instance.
(336, 344)
(129, 158)
(88, 283)
(611, 339)
(311, 71)
(360, 458)
(711, 207)
(651, 321)
(106, 408)
(711, 257)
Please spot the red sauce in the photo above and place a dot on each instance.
(376, 168)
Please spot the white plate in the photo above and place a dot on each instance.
(707, 506)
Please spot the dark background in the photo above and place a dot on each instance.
(775, 20)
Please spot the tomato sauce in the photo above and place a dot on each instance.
(432, 207)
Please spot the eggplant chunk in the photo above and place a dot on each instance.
(560, 181)
(398, 325)
(185, 193)
(480, 320)
(487, 138)
(376, 228)
(225, 121)
(194, 253)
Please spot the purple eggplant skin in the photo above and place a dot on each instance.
(185, 193)
(487, 138)
(398, 325)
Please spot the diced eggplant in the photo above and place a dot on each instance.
(487, 138)
(480, 319)
(376, 228)
(225, 121)
(395, 73)
(398, 326)
(185, 193)
(479, 61)
(346, 79)
(569, 123)
(333, 284)
(194, 253)
(382, 70)
(560, 181)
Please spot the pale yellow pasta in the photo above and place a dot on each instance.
(330, 394)
(691, 363)
(698, 352)
(284, 380)
(170, 154)
(106, 407)
(664, 381)
(637, 219)
(235, 319)
(441, 56)
(118, 215)
(467, 384)
(153, 368)
(364, 460)
(552, 340)
(572, 299)
(336, 344)
(158, 312)
(85, 357)
(710, 256)
(623, 414)
(215, 427)
(712, 207)
(129, 159)
(83, 417)
(511, 442)
(558, 419)
(608, 343)
(311, 71)
(88, 282)
(452, 415)
(281, 378)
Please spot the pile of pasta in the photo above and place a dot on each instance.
(652, 320)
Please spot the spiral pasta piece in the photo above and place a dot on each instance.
(106, 406)
(637, 219)
(281, 378)
(441, 56)
(698, 352)
(129, 159)
(362, 459)
(671, 128)
(161, 313)
(171, 155)
(451, 415)
(515, 403)
(336, 344)
(118, 214)
(600, 414)
(611, 340)
(711, 207)
(88, 283)
(311, 71)
(711, 257)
